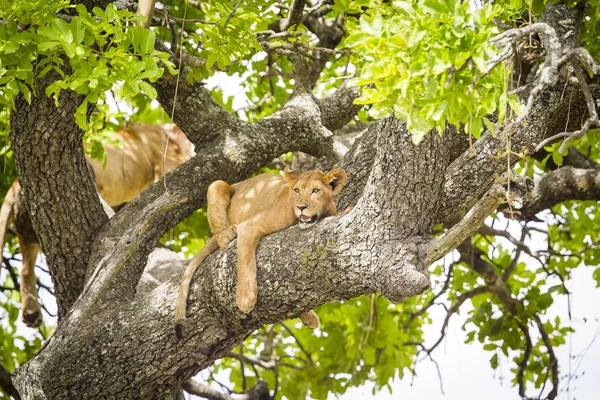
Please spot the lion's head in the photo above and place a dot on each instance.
(313, 193)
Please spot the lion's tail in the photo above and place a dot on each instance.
(184, 286)
(6, 211)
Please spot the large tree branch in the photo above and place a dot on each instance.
(573, 158)
(566, 183)
(376, 247)
(487, 160)
(295, 15)
(234, 156)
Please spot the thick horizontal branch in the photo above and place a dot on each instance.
(239, 152)
(566, 183)
(376, 247)
(297, 271)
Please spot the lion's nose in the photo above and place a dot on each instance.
(301, 208)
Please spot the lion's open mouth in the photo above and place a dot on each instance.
(306, 220)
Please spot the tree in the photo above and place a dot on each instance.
(455, 95)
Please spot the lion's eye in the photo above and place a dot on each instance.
(316, 190)
(297, 191)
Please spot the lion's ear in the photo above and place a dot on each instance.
(336, 178)
(290, 177)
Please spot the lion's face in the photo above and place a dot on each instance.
(313, 194)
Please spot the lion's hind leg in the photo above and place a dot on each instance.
(219, 197)
(32, 312)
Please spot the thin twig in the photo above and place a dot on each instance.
(302, 348)
(231, 14)
(164, 160)
(526, 354)
(432, 301)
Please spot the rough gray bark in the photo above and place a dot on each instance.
(566, 183)
(379, 246)
(60, 195)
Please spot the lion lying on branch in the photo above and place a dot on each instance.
(252, 209)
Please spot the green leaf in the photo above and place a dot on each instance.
(489, 126)
(211, 60)
(44, 46)
(515, 104)
(147, 40)
(494, 361)
(557, 158)
(63, 30)
(78, 30)
(70, 49)
(596, 276)
(538, 6)
(148, 89)
(545, 300)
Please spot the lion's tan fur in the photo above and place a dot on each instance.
(255, 208)
(139, 163)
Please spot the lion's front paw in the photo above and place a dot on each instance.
(226, 236)
(245, 296)
(32, 319)
(310, 319)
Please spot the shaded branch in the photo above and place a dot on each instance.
(566, 183)
(6, 384)
(294, 16)
(524, 360)
(573, 158)
(260, 391)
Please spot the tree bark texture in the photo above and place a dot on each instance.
(115, 339)
(59, 192)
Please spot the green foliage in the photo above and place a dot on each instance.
(590, 31)
(427, 62)
(190, 235)
(102, 48)
(360, 340)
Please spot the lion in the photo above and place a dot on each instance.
(129, 170)
(139, 163)
(252, 209)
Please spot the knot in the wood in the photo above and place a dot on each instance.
(400, 273)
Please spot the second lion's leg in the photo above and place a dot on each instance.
(219, 197)
(32, 312)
